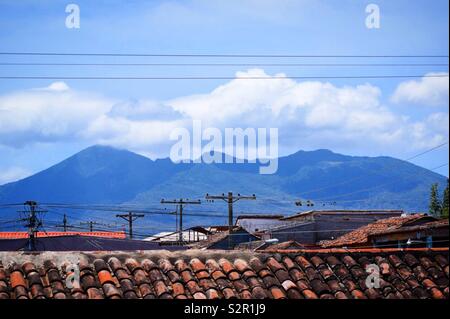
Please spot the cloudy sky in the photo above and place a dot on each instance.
(45, 121)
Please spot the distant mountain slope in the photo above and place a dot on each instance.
(331, 180)
(104, 175)
(97, 174)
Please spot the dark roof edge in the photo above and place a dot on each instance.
(352, 250)
(345, 212)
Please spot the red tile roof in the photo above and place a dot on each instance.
(291, 245)
(361, 235)
(411, 274)
(19, 235)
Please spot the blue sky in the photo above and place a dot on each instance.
(44, 122)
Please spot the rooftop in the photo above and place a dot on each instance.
(194, 274)
(361, 235)
(81, 243)
(105, 234)
(389, 212)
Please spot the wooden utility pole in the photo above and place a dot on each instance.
(130, 218)
(230, 199)
(180, 203)
(64, 225)
(90, 224)
(33, 223)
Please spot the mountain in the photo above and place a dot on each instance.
(105, 175)
(98, 174)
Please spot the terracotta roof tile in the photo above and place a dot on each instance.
(259, 293)
(197, 265)
(228, 293)
(298, 275)
(178, 289)
(361, 235)
(309, 294)
(303, 285)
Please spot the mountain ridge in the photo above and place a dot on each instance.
(106, 175)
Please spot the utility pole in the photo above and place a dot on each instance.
(130, 218)
(90, 224)
(230, 199)
(64, 225)
(33, 223)
(180, 203)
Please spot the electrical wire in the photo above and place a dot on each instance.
(54, 77)
(376, 172)
(215, 55)
(375, 187)
(229, 64)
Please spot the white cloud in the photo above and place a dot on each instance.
(13, 174)
(309, 115)
(58, 113)
(57, 86)
(428, 91)
(47, 115)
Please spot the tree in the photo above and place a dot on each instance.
(435, 203)
(445, 203)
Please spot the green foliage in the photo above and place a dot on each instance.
(445, 203)
(435, 203)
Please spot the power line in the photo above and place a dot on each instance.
(33, 223)
(227, 64)
(111, 209)
(213, 55)
(53, 77)
(293, 200)
(130, 218)
(10, 205)
(230, 199)
(97, 229)
(374, 187)
(180, 204)
(376, 172)
(65, 225)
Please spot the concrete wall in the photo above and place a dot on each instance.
(302, 233)
(237, 238)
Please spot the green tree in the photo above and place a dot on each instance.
(445, 203)
(435, 203)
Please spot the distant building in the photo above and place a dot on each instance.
(193, 234)
(314, 226)
(416, 230)
(259, 223)
(223, 239)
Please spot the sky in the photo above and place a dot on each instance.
(45, 121)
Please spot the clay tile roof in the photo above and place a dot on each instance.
(361, 235)
(301, 274)
(291, 244)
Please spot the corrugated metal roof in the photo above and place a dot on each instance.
(83, 243)
(19, 235)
